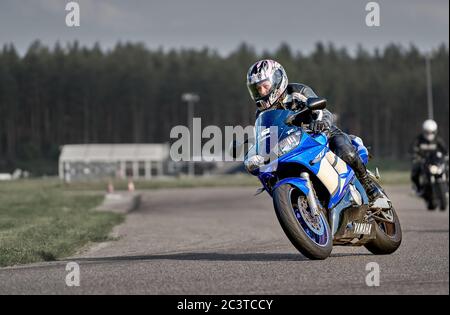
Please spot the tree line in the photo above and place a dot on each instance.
(130, 94)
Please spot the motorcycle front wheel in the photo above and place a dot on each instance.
(308, 233)
(442, 195)
(430, 196)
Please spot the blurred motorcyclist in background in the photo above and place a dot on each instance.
(267, 83)
(426, 143)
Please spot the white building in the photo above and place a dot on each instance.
(93, 161)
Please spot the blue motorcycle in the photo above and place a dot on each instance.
(317, 198)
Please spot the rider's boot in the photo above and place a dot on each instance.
(417, 189)
(371, 188)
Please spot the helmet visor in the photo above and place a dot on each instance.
(262, 89)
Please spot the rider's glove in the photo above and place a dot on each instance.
(318, 126)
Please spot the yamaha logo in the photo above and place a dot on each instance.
(362, 228)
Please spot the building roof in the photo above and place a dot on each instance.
(114, 152)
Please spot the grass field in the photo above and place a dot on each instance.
(41, 221)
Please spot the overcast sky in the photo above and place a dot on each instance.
(222, 25)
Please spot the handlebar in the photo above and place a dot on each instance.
(290, 119)
(305, 127)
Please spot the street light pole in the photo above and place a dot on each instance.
(191, 99)
(429, 87)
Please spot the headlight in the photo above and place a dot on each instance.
(287, 144)
(435, 170)
(254, 162)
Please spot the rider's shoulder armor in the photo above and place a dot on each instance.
(300, 88)
(296, 95)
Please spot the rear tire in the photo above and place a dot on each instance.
(385, 244)
(388, 235)
(289, 202)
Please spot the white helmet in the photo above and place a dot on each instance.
(266, 82)
(430, 129)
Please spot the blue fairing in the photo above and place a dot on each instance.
(310, 147)
(343, 189)
(270, 127)
(300, 183)
(309, 152)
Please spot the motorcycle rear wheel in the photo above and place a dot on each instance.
(388, 233)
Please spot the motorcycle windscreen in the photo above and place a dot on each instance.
(270, 127)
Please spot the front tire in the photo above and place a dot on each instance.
(430, 198)
(442, 196)
(310, 235)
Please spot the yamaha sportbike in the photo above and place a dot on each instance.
(318, 200)
(434, 181)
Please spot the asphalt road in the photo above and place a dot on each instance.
(227, 241)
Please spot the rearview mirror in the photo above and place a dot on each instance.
(312, 103)
(316, 103)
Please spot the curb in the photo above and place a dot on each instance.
(120, 202)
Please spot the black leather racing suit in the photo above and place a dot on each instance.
(420, 150)
(339, 142)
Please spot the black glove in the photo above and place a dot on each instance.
(318, 126)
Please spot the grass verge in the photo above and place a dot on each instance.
(40, 221)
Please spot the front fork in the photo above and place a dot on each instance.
(311, 197)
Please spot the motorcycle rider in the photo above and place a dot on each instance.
(426, 143)
(267, 83)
